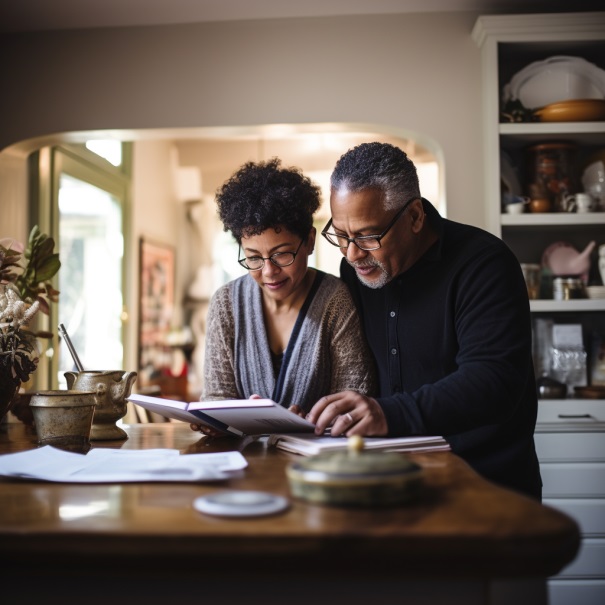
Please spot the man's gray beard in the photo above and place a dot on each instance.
(375, 284)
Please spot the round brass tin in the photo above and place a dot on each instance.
(355, 478)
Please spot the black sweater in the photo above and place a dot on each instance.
(452, 341)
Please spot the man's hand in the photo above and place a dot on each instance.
(348, 413)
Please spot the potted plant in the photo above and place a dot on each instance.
(25, 289)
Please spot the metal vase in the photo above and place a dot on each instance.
(112, 388)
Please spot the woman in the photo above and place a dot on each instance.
(284, 331)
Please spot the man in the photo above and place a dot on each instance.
(446, 313)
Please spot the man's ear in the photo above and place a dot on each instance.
(417, 215)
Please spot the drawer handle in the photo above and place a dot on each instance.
(575, 416)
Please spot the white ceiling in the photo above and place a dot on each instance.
(33, 15)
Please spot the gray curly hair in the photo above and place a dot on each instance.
(380, 166)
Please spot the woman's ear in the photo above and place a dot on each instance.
(311, 240)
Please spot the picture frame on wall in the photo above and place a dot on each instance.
(157, 266)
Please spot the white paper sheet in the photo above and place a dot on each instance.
(106, 465)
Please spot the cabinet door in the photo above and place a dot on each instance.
(569, 480)
(571, 411)
(589, 513)
(589, 563)
(568, 447)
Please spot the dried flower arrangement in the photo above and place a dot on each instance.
(25, 289)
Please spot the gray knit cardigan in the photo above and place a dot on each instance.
(327, 351)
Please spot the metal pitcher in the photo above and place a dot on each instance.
(112, 388)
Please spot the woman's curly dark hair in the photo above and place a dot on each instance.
(263, 195)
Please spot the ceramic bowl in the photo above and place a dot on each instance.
(595, 291)
(548, 388)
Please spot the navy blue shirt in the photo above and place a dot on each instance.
(451, 337)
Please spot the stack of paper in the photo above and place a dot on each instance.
(105, 465)
(309, 445)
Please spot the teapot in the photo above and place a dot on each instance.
(112, 388)
(563, 259)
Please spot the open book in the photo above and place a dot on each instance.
(309, 445)
(235, 416)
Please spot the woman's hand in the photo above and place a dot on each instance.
(296, 409)
(208, 430)
(348, 413)
(212, 432)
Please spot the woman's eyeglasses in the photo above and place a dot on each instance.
(279, 259)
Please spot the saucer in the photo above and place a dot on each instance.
(241, 503)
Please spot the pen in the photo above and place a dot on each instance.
(71, 348)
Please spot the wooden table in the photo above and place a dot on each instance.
(463, 541)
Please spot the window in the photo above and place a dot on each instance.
(87, 214)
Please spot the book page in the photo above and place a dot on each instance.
(261, 421)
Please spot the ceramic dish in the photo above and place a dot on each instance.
(556, 79)
(592, 392)
(595, 291)
(579, 110)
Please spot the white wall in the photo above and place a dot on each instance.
(416, 73)
(155, 215)
(13, 197)
(412, 76)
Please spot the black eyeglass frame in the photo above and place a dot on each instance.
(355, 240)
(243, 261)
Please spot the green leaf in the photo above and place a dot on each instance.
(48, 268)
(43, 250)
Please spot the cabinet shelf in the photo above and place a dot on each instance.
(567, 306)
(564, 219)
(582, 133)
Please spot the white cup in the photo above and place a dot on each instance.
(515, 208)
(580, 202)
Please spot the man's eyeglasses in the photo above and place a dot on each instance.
(363, 242)
(279, 259)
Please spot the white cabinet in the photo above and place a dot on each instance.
(570, 433)
(570, 441)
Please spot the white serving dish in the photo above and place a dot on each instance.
(556, 79)
(595, 291)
